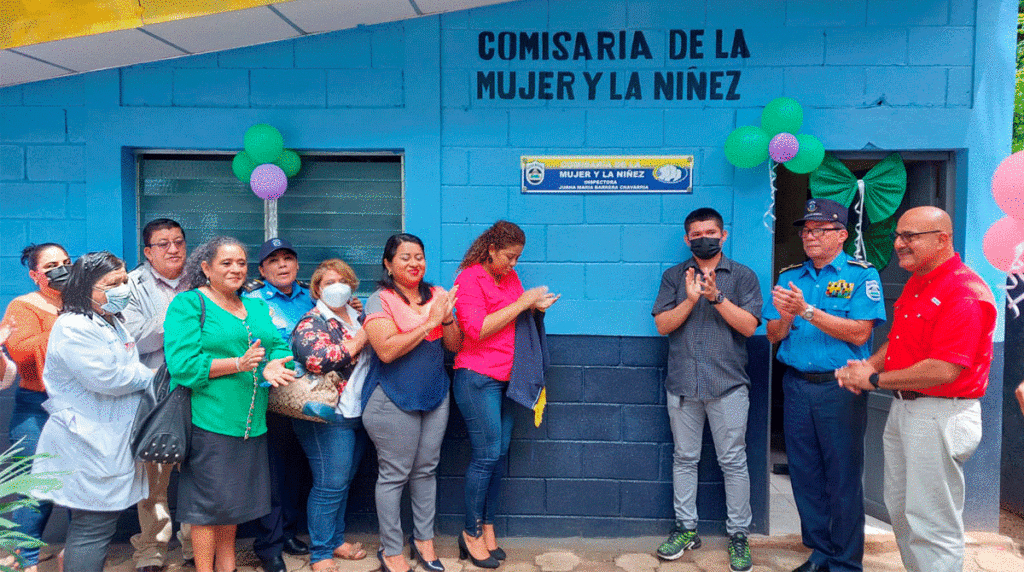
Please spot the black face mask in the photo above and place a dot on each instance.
(705, 247)
(58, 277)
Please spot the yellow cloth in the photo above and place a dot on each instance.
(538, 410)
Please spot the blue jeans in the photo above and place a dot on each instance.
(488, 415)
(27, 422)
(334, 451)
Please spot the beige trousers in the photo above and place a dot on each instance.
(926, 443)
(155, 522)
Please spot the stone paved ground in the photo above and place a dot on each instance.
(986, 552)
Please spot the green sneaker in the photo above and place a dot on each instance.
(739, 553)
(679, 540)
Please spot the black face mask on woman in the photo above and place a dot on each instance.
(58, 276)
(705, 247)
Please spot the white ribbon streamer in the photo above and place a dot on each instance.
(862, 248)
(768, 219)
(1015, 278)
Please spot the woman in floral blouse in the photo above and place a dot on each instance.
(328, 340)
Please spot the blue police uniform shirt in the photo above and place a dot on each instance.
(847, 288)
(285, 310)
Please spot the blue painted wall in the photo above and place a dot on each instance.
(885, 74)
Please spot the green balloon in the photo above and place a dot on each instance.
(263, 143)
(747, 146)
(782, 115)
(289, 162)
(809, 157)
(242, 166)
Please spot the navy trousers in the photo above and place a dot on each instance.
(289, 474)
(824, 426)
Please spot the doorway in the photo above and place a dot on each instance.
(930, 181)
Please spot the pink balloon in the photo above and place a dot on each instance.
(783, 147)
(268, 181)
(1008, 185)
(1003, 244)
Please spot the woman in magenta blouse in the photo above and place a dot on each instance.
(490, 299)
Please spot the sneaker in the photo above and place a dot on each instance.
(739, 553)
(679, 541)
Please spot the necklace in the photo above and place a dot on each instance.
(231, 304)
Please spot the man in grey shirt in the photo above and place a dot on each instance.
(708, 306)
(153, 284)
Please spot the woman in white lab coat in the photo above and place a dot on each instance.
(95, 381)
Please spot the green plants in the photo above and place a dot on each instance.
(16, 485)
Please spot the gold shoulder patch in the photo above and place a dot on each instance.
(861, 263)
(791, 267)
(253, 285)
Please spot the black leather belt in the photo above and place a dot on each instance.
(910, 395)
(815, 377)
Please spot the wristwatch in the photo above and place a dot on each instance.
(873, 378)
(718, 299)
(808, 314)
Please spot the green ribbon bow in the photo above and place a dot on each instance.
(877, 196)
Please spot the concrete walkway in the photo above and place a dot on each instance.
(986, 552)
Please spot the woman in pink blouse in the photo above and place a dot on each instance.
(490, 299)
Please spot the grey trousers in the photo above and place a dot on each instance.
(727, 417)
(89, 536)
(408, 450)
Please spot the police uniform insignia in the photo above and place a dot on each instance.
(812, 206)
(276, 242)
(873, 290)
(860, 263)
(790, 267)
(839, 289)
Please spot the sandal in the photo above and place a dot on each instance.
(355, 552)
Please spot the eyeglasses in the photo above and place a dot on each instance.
(165, 244)
(817, 232)
(909, 236)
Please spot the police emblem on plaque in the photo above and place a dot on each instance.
(535, 172)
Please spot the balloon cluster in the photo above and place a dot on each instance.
(265, 164)
(1004, 242)
(777, 137)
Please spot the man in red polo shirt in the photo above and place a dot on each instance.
(936, 361)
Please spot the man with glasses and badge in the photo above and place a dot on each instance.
(822, 313)
(152, 286)
(936, 361)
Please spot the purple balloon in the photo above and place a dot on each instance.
(268, 181)
(783, 147)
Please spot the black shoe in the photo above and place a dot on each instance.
(383, 564)
(433, 565)
(275, 564)
(498, 553)
(489, 562)
(812, 567)
(189, 563)
(295, 547)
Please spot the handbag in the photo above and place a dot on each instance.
(291, 399)
(162, 432)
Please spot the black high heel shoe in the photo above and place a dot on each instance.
(433, 565)
(498, 553)
(489, 562)
(383, 564)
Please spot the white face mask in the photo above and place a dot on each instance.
(336, 295)
(117, 299)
